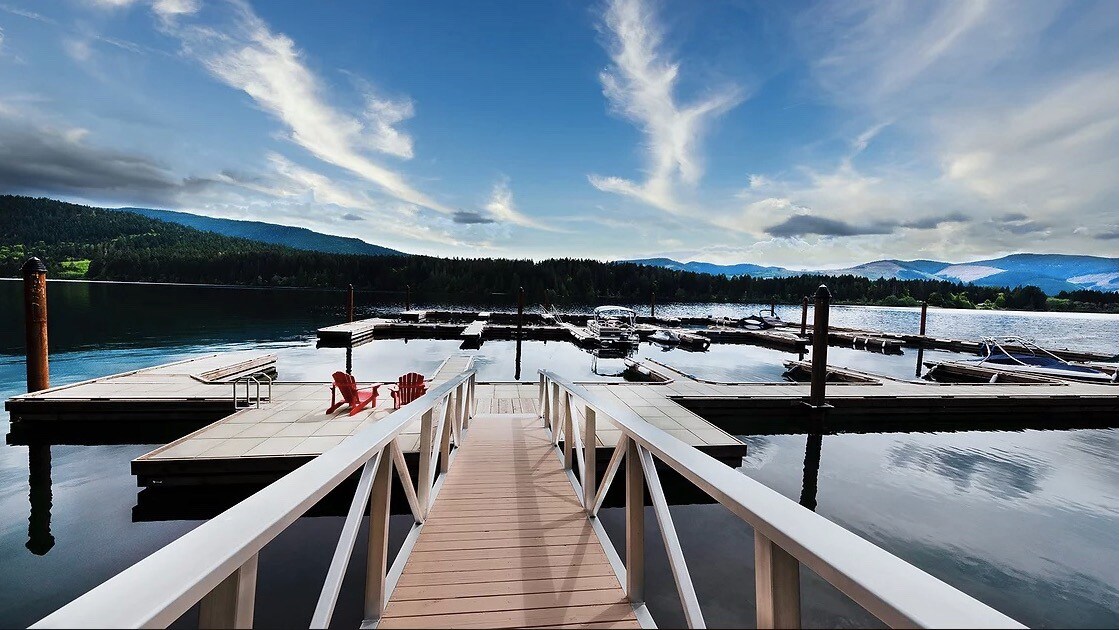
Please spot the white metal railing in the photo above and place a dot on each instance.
(786, 535)
(216, 563)
(254, 379)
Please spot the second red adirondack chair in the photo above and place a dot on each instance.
(408, 388)
(357, 399)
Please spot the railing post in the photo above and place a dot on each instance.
(554, 424)
(445, 438)
(469, 401)
(546, 409)
(820, 347)
(423, 490)
(231, 603)
(377, 562)
(540, 395)
(777, 585)
(635, 525)
(458, 398)
(568, 432)
(590, 468)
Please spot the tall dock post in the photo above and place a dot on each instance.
(820, 347)
(924, 315)
(407, 297)
(520, 310)
(35, 322)
(653, 304)
(350, 304)
(804, 317)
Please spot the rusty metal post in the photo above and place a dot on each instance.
(653, 304)
(924, 314)
(820, 346)
(350, 303)
(804, 317)
(35, 321)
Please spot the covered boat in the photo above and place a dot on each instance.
(613, 325)
(1026, 357)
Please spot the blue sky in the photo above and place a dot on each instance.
(800, 134)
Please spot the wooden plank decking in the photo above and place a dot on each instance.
(507, 544)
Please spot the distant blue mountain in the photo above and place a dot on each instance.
(1051, 273)
(295, 237)
(744, 269)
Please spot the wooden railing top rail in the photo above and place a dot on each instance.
(157, 590)
(898, 593)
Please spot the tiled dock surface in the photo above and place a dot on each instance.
(507, 544)
(294, 423)
(191, 379)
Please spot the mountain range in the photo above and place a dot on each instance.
(296, 237)
(1052, 273)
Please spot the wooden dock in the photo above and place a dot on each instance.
(177, 395)
(508, 544)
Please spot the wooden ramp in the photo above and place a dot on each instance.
(507, 544)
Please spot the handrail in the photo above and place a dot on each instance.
(895, 591)
(157, 590)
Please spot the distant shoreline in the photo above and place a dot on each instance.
(397, 292)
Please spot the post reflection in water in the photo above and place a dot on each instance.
(811, 470)
(39, 537)
(517, 370)
(920, 360)
(350, 358)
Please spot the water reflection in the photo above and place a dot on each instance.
(999, 473)
(39, 537)
(811, 480)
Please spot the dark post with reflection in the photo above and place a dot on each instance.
(39, 537)
(350, 304)
(820, 347)
(811, 470)
(407, 297)
(350, 358)
(520, 324)
(924, 315)
(653, 304)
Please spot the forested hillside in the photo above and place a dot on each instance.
(82, 242)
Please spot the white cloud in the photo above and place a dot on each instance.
(267, 66)
(382, 135)
(170, 8)
(640, 85)
(503, 209)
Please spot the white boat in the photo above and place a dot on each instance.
(664, 337)
(1026, 357)
(613, 325)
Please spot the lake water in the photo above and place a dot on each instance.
(1026, 521)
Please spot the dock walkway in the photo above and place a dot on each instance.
(507, 544)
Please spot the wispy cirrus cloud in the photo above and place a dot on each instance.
(640, 85)
(247, 55)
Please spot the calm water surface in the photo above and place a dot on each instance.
(1026, 521)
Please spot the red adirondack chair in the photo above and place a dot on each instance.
(357, 399)
(408, 388)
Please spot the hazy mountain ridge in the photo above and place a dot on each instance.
(1051, 273)
(274, 234)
